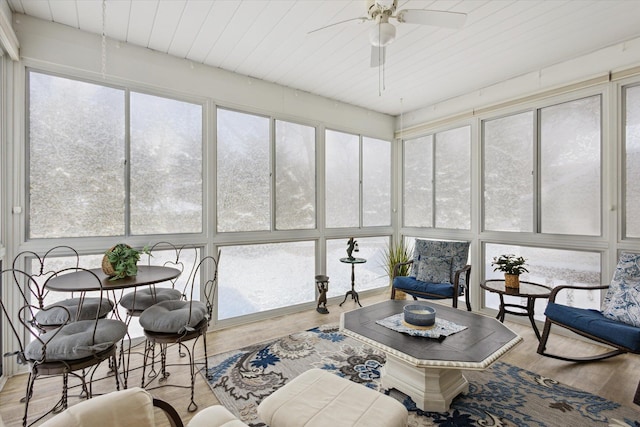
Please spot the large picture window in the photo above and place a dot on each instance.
(87, 179)
(437, 180)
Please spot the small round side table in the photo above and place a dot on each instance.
(529, 290)
(352, 292)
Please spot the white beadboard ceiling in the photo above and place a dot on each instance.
(268, 40)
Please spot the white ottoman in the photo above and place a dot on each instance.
(319, 398)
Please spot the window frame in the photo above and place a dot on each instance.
(127, 90)
(434, 172)
(537, 166)
(361, 142)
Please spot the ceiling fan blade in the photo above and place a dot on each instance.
(378, 54)
(362, 19)
(436, 18)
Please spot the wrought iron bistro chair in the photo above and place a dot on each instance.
(74, 348)
(617, 325)
(52, 315)
(177, 322)
(140, 299)
(439, 270)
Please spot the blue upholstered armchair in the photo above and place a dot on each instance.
(617, 324)
(438, 270)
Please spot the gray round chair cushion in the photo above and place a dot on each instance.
(144, 298)
(172, 317)
(54, 315)
(75, 340)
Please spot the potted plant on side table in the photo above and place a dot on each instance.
(121, 261)
(512, 266)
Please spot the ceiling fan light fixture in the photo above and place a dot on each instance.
(382, 34)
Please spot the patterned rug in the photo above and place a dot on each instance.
(502, 395)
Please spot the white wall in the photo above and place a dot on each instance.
(58, 47)
(593, 68)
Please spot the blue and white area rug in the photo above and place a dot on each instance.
(502, 395)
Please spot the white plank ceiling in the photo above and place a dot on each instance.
(268, 40)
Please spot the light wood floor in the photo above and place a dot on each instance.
(615, 379)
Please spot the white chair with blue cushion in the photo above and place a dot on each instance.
(439, 270)
(75, 348)
(618, 323)
(177, 322)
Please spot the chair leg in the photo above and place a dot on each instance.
(543, 345)
(27, 397)
(466, 298)
(206, 358)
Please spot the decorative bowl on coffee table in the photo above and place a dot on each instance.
(419, 315)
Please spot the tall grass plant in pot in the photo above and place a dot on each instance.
(396, 253)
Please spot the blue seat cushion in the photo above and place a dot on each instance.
(411, 284)
(593, 322)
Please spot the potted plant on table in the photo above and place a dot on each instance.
(512, 266)
(121, 261)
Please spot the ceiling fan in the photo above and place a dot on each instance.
(384, 33)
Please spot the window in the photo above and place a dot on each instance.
(79, 161)
(376, 182)
(166, 142)
(565, 156)
(369, 275)
(350, 161)
(550, 267)
(245, 178)
(243, 172)
(295, 176)
(437, 180)
(272, 275)
(632, 161)
(508, 173)
(570, 167)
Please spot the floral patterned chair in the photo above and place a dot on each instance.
(616, 325)
(439, 270)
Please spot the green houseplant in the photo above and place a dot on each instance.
(396, 253)
(512, 266)
(121, 261)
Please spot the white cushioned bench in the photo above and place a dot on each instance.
(319, 398)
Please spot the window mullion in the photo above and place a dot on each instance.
(433, 181)
(127, 163)
(536, 173)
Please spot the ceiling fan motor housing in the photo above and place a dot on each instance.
(377, 8)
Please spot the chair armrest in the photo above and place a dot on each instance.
(456, 278)
(557, 289)
(396, 268)
(169, 411)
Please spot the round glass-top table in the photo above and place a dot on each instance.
(529, 290)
